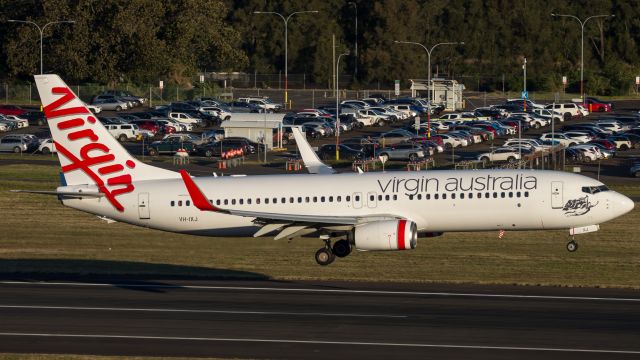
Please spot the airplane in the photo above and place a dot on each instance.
(364, 211)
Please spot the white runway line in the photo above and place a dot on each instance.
(320, 342)
(203, 311)
(327, 291)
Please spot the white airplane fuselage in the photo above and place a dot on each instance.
(437, 201)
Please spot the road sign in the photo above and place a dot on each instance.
(525, 94)
(397, 88)
(417, 122)
(161, 85)
(564, 80)
(201, 79)
(637, 80)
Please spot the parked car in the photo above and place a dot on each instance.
(12, 110)
(126, 95)
(170, 146)
(594, 105)
(500, 154)
(634, 170)
(123, 132)
(561, 138)
(17, 143)
(411, 152)
(35, 118)
(568, 110)
(20, 122)
(328, 151)
(47, 147)
(264, 104)
(110, 103)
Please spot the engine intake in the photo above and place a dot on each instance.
(386, 235)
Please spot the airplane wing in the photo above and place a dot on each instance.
(311, 161)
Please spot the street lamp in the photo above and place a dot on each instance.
(41, 29)
(286, 25)
(338, 107)
(429, 87)
(355, 73)
(582, 24)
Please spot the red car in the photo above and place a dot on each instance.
(12, 110)
(594, 105)
(609, 145)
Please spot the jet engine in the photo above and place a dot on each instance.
(386, 235)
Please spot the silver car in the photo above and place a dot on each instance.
(407, 151)
(111, 104)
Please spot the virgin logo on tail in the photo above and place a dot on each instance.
(77, 126)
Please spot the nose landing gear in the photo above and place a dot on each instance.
(572, 245)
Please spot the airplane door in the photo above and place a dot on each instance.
(371, 200)
(556, 195)
(357, 200)
(143, 206)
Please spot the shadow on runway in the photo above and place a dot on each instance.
(126, 274)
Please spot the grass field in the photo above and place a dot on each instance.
(40, 236)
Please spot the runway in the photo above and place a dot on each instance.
(316, 320)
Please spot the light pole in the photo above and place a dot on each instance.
(286, 43)
(524, 85)
(429, 87)
(41, 29)
(582, 24)
(338, 107)
(355, 73)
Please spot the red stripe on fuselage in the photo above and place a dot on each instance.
(401, 227)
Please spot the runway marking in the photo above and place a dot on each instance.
(321, 342)
(203, 311)
(326, 291)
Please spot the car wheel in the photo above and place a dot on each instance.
(285, 141)
(46, 151)
(380, 122)
(586, 159)
(360, 125)
(384, 154)
(572, 144)
(118, 108)
(122, 138)
(567, 116)
(624, 147)
(413, 157)
(511, 159)
(208, 153)
(536, 126)
(153, 152)
(40, 122)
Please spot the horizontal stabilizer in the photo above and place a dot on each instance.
(62, 193)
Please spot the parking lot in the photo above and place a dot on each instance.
(613, 169)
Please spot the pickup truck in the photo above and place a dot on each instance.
(368, 117)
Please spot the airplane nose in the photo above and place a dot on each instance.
(625, 204)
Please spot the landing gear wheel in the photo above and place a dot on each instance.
(341, 248)
(324, 256)
(572, 246)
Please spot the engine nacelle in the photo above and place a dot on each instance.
(386, 235)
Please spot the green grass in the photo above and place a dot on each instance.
(42, 236)
(82, 357)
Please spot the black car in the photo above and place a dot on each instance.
(215, 149)
(328, 151)
(35, 118)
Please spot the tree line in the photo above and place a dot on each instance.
(142, 41)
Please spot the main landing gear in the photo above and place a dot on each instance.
(327, 254)
(572, 245)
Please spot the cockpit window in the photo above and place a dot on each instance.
(594, 189)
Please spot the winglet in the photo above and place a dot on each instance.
(199, 199)
(309, 157)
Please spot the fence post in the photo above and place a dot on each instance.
(150, 97)
(313, 98)
(6, 93)
(29, 93)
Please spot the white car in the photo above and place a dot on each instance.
(589, 152)
(613, 126)
(545, 113)
(579, 136)
(451, 141)
(263, 103)
(560, 138)
(47, 146)
(568, 110)
(93, 108)
(500, 154)
(533, 143)
(184, 118)
(20, 122)
(216, 111)
(123, 132)
(621, 143)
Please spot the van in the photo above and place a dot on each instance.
(568, 110)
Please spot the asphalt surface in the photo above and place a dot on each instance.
(319, 320)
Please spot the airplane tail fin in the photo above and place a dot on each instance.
(87, 152)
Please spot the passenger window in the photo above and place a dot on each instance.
(444, 196)
(179, 202)
(233, 201)
(249, 201)
(510, 194)
(218, 202)
(299, 199)
(315, 199)
(306, 199)
(330, 199)
(258, 201)
(518, 194)
(410, 197)
(419, 196)
(462, 196)
(188, 203)
(526, 194)
(395, 197)
(226, 201)
(487, 195)
(322, 199)
(371, 197)
(339, 199)
(453, 196)
(495, 195)
(173, 203)
(386, 197)
(436, 196)
(502, 195)
(275, 200)
(357, 197)
(348, 198)
(470, 195)
(266, 200)
(428, 196)
(291, 200)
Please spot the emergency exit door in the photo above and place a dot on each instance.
(143, 206)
